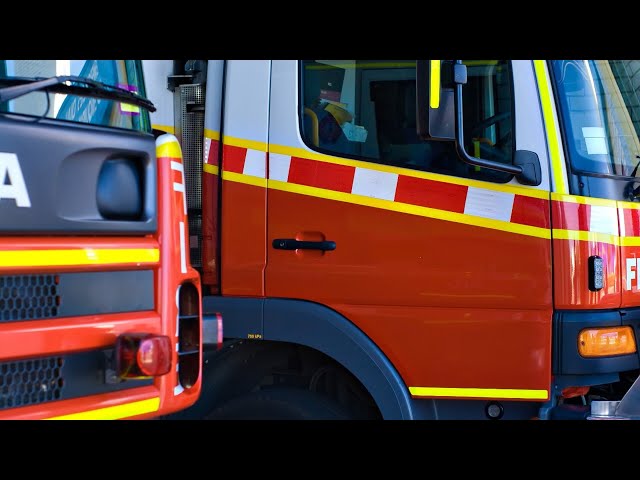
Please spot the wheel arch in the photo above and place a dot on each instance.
(321, 328)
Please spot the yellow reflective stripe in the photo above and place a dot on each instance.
(411, 209)
(550, 126)
(164, 128)
(584, 200)
(241, 178)
(480, 393)
(114, 413)
(434, 87)
(80, 256)
(310, 155)
(629, 241)
(211, 168)
(629, 205)
(212, 134)
(241, 142)
(581, 235)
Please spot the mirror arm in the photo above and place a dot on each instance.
(464, 156)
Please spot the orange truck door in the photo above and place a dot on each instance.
(446, 268)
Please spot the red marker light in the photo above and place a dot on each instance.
(142, 355)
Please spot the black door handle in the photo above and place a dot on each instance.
(293, 244)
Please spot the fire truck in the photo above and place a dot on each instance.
(99, 307)
(402, 239)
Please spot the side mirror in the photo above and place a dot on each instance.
(439, 116)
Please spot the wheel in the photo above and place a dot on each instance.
(279, 403)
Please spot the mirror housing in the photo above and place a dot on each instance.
(530, 164)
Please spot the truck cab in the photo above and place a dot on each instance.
(412, 239)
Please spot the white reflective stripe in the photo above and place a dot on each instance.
(373, 183)
(489, 204)
(603, 219)
(255, 163)
(183, 248)
(205, 150)
(279, 167)
(177, 186)
(623, 231)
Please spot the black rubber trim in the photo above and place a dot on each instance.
(567, 326)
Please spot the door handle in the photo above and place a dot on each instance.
(293, 244)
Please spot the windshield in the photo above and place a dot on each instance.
(125, 74)
(600, 109)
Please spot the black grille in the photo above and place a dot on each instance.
(38, 380)
(37, 297)
(195, 233)
(190, 134)
(24, 297)
(28, 382)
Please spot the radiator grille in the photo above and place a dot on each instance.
(29, 382)
(24, 297)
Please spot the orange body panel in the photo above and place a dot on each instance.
(210, 194)
(570, 264)
(570, 274)
(461, 347)
(452, 305)
(629, 224)
(243, 241)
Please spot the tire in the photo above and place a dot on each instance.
(279, 404)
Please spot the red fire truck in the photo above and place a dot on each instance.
(99, 308)
(412, 239)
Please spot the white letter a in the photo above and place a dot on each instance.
(16, 188)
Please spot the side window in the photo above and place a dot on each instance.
(366, 109)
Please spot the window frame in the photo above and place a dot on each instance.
(306, 141)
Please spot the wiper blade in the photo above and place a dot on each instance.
(633, 172)
(91, 88)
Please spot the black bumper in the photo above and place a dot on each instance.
(567, 326)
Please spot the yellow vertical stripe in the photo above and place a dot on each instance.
(434, 88)
(550, 126)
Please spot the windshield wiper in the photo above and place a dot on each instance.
(635, 169)
(89, 88)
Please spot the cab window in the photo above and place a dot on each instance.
(366, 110)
